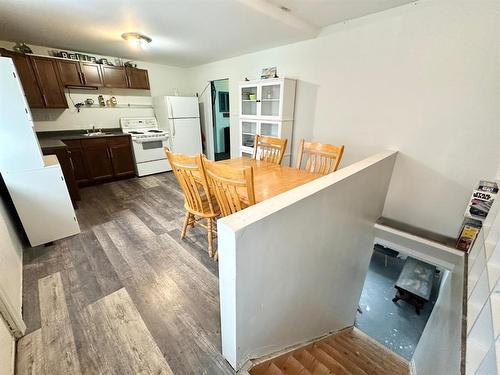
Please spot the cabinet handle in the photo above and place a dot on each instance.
(71, 161)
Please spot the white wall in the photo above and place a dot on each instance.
(438, 350)
(11, 268)
(6, 350)
(422, 78)
(164, 80)
(292, 268)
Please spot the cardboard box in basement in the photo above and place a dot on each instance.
(468, 233)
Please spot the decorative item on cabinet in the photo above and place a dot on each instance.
(130, 64)
(102, 103)
(89, 101)
(103, 61)
(22, 48)
(269, 73)
(113, 101)
(73, 56)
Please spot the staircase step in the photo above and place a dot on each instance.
(350, 366)
(331, 363)
(312, 364)
(382, 356)
(293, 367)
(367, 360)
(349, 352)
(273, 370)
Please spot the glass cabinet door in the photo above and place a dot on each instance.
(249, 101)
(248, 132)
(269, 129)
(270, 100)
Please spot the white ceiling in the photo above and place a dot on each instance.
(184, 32)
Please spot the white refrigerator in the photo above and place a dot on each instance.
(180, 116)
(34, 182)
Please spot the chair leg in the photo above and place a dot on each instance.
(210, 236)
(186, 223)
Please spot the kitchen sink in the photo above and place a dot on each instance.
(95, 134)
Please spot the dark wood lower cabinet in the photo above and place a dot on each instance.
(101, 159)
(64, 157)
(121, 156)
(98, 158)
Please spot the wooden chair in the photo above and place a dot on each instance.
(319, 158)
(233, 187)
(198, 202)
(269, 149)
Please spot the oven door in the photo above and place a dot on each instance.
(148, 150)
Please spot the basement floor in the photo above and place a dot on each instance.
(394, 325)
(126, 295)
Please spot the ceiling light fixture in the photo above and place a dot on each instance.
(137, 40)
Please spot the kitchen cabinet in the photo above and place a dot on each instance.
(27, 77)
(98, 158)
(114, 76)
(50, 85)
(77, 159)
(70, 72)
(91, 74)
(64, 157)
(101, 159)
(121, 156)
(138, 78)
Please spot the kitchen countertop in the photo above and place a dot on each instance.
(55, 139)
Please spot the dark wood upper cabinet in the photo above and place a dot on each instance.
(91, 74)
(27, 78)
(97, 158)
(121, 156)
(138, 78)
(47, 76)
(70, 72)
(114, 76)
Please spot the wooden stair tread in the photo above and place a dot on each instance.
(293, 367)
(273, 370)
(331, 363)
(349, 352)
(350, 366)
(365, 362)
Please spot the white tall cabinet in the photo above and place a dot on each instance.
(266, 108)
(35, 182)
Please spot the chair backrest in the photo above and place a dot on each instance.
(233, 187)
(318, 157)
(193, 181)
(269, 149)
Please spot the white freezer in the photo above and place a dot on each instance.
(182, 106)
(42, 202)
(186, 135)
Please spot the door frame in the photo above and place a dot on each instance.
(207, 115)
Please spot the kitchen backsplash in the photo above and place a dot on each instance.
(100, 117)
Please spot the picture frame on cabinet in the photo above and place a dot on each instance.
(269, 73)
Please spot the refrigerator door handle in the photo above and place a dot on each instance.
(172, 114)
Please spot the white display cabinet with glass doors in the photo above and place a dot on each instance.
(266, 108)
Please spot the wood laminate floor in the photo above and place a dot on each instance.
(126, 295)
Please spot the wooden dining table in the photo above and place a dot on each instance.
(271, 179)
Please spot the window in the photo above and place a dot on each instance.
(223, 101)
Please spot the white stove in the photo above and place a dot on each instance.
(148, 143)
